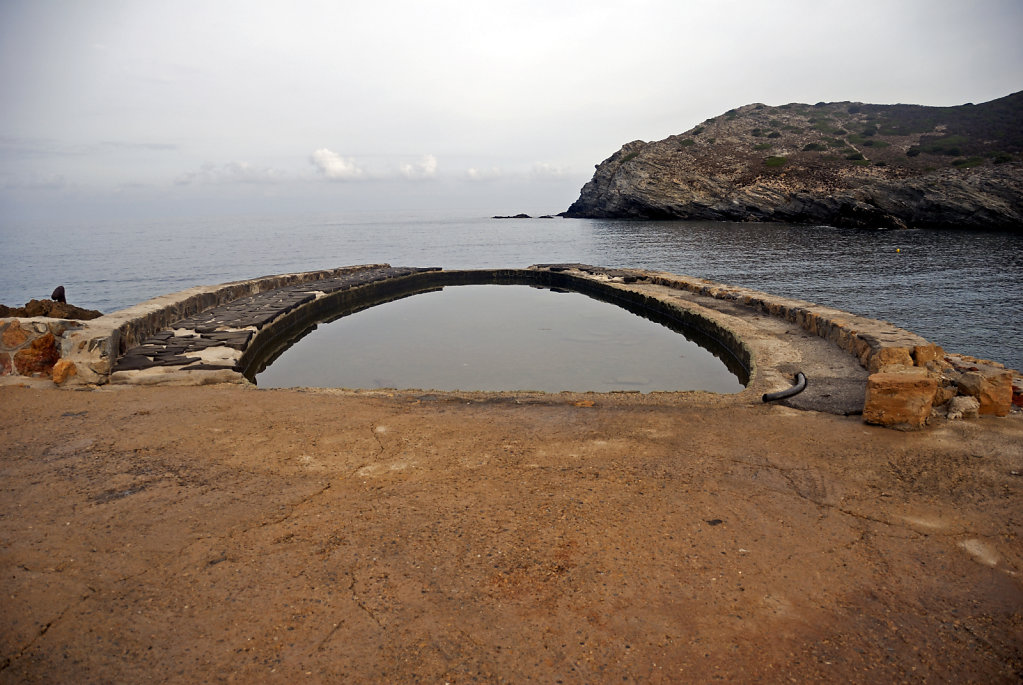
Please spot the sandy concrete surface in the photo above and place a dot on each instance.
(232, 534)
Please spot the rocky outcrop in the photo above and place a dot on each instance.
(50, 309)
(842, 164)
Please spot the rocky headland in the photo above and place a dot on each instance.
(840, 163)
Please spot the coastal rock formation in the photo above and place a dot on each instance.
(842, 164)
(52, 309)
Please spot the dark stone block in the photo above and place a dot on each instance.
(172, 360)
(133, 363)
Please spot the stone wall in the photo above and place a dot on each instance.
(30, 347)
(911, 378)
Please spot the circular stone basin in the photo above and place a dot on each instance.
(502, 338)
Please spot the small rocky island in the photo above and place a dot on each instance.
(840, 163)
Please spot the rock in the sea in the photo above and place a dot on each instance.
(50, 309)
(842, 164)
(899, 399)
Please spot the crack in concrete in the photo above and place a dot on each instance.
(291, 508)
(8, 661)
(797, 491)
(355, 598)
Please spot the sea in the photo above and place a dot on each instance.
(960, 289)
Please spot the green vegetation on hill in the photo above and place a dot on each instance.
(841, 163)
(915, 138)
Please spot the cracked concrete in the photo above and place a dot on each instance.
(196, 533)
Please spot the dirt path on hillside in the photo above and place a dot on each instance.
(228, 534)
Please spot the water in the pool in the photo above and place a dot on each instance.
(499, 337)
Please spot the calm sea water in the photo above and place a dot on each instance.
(962, 290)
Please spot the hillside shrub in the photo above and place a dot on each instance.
(814, 147)
(946, 145)
(763, 146)
(775, 161)
(774, 134)
(855, 156)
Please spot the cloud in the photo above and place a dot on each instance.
(548, 170)
(477, 174)
(334, 166)
(424, 168)
(232, 172)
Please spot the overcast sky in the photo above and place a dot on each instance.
(156, 108)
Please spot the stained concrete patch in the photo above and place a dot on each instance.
(981, 551)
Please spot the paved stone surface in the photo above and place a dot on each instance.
(216, 338)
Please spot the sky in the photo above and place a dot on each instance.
(142, 108)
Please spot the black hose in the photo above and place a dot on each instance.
(799, 387)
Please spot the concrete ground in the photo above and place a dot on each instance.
(225, 533)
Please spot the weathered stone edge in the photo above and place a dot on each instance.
(94, 348)
(911, 378)
(878, 345)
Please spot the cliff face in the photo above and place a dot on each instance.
(842, 164)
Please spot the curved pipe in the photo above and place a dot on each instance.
(799, 387)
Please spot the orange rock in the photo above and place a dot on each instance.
(927, 353)
(38, 357)
(899, 399)
(63, 370)
(888, 357)
(14, 336)
(991, 386)
(6, 366)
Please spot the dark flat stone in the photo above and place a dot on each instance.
(133, 363)
(210, 366)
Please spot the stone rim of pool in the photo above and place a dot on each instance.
(179, 339)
